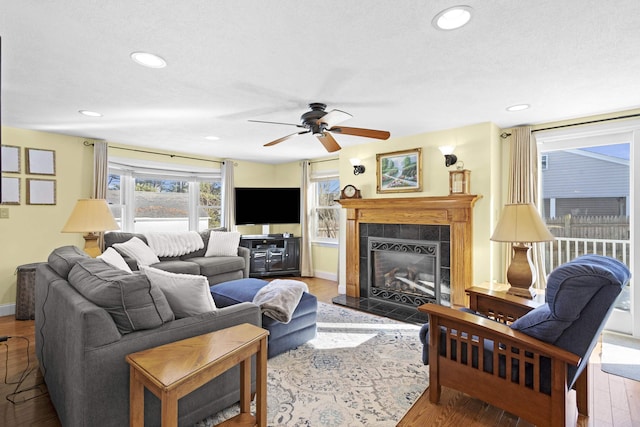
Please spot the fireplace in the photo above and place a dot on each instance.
(443, 222)
(405, 272)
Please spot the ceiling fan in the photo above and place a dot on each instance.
(320, 123)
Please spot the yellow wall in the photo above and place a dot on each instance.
(32, 232)
(478, 146)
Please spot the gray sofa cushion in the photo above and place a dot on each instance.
(131, 300)
(211, 266)
(64, 258)
(184, 267)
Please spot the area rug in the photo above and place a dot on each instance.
(360, 370)
(621, 355)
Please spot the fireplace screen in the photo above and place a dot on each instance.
(405, 271)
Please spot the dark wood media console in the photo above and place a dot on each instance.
(273, 255)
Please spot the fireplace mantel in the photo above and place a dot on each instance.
(455, 211)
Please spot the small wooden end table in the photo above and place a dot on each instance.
(173, 370)
(496, 303)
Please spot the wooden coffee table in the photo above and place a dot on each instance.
(174, 370)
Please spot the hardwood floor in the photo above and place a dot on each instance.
(615, 401)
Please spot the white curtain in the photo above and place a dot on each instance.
(523, 186)
(228, 196)
(100, 175)
(306, 258)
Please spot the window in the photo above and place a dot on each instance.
(544, 162)
(326, 212)
(146, 199)
(588, 201)
(210, 204)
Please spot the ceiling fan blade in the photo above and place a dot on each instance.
(367, 133)
(284, 138)
(334, 117)
(329, 142)
(277, 123)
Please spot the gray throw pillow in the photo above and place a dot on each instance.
(131, 300)
(188, 294)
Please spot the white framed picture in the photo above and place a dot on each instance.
(10, 191)
(41, 162)
(10, 159)
(41, 191)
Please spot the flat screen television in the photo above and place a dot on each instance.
(267, 205)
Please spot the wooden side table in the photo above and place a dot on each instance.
(174, 370)
(499, 305)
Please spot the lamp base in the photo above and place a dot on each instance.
(91, 246)
(521, 274)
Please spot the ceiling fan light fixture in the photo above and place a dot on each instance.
(452, 18)
(148, 59)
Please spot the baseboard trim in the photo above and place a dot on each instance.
(325, 275)
(8, 309)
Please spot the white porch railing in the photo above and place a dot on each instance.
(564, 249)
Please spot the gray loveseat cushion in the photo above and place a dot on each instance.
(131, 300)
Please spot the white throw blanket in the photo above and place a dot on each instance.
(175, 243)
(279, 298)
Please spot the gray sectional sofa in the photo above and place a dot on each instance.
(81, 345)
(217, 269)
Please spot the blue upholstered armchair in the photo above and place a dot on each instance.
(527, 368)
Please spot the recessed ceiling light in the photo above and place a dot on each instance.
(148, 60)
(89, 113)
(452, 18)
(212, 138)
(518, 107)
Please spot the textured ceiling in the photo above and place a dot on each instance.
(382, 61)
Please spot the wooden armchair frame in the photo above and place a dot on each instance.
(450, 327)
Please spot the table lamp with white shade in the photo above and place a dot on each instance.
(91, 216)
(521, 224)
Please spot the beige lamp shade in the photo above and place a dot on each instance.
(521, 223)
(90, 216)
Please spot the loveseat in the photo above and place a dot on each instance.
(217, 269)
(81, 345)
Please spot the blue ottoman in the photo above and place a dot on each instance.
(282, 337)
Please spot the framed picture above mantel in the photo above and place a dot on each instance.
(399, 171)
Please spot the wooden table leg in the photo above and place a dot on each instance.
(169, 409)
(136, 399)
(261, 384)
(245, 386)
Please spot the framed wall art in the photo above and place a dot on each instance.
(10, 159)
(399, 172)
(41, 191)
(40, 162)
(10, 191)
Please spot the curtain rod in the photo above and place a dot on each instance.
(504, 135)
(87, 143)
(325, 160)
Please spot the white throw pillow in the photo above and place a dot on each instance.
(113, 257)
(187, 294)
(138, 250)
(223, 243)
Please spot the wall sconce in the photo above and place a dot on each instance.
(450, 159)
(357, 167)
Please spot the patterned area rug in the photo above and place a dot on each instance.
(360, 370)
(620, 355)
